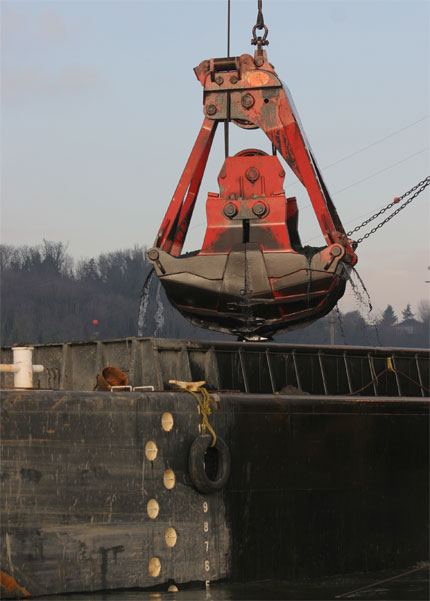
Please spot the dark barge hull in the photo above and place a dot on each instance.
(319, 485)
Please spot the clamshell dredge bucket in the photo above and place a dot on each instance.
(252, 276)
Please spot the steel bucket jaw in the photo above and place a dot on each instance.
(249, 292)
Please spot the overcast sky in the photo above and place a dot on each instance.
(100, 109)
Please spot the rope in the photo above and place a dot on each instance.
(205, 410)
(204, 403)
(388, 369)
(390, 366)
(412, 380)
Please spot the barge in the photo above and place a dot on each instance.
(203, 461)
(324, 468)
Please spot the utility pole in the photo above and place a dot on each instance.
(332, 327)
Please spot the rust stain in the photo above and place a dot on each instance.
(9, 583)
(370, 400)
(59, 402)
(50, 431)
(258, 78)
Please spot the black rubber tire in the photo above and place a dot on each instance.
(196, 464)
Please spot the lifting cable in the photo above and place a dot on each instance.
(255, 41)
(226, 122)
(260, 41)
(417, 189)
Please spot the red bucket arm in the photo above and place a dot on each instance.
(174, 227)
(280, 122)
(247, 91)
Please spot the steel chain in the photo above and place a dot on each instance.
(420, 187)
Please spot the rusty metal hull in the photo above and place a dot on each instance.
(319, 485)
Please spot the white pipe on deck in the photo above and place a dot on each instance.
(22, 368)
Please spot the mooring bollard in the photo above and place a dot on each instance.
(22, 367)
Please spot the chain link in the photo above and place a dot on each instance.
(420, 187)
(260, 41)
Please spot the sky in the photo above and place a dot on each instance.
(100, 109)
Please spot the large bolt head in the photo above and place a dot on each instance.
(259, 209)
(259, 61)
(247, 101)
(219, 79)
(211, 109)
(234, 79)
(336, 251)
(230, 210)
(153, 254)
(252, 174)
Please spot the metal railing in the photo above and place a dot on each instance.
(261, 368)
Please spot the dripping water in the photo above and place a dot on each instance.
(144, 301)
(363, 285)
(364, 301)
(371, 315)
(340, 322)
(159, 314)
(375, 327)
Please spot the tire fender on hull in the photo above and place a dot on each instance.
(203, 481)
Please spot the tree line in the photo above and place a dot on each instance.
(46, 296)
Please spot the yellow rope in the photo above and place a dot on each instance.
(204, 403)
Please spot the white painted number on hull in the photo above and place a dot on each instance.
(206, 542)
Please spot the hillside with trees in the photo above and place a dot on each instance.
(48, 297)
